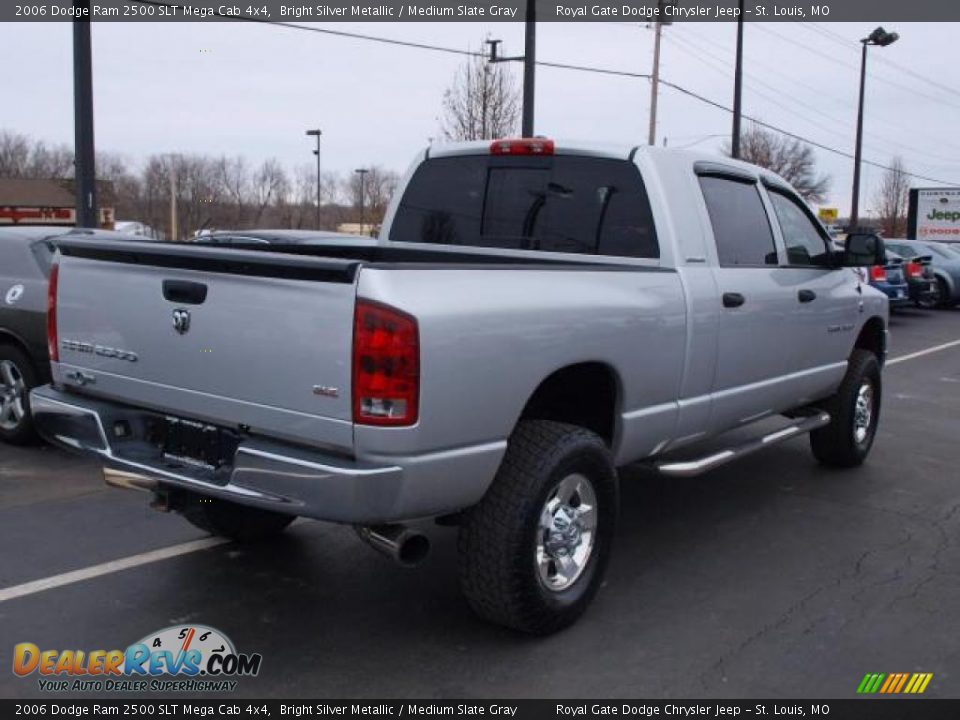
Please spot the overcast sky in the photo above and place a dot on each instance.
(239, 88)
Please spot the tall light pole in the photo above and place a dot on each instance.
(317, 133)
(738, 89)
(362, 172)
(655, 76)
(880, 38)
(85, 172)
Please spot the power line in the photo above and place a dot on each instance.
(853, 45)
(795, 136)
(701, 54)
(562, 66)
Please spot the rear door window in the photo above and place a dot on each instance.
(741, 227)
(564, 204)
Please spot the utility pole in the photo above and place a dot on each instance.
(173, 200)
(655, 75)
(363, 173)
(85, 174)
(529, 60)
(654, 84)
(317, 133)
(738, 89)
(529, 67)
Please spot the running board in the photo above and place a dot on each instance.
(692, 468)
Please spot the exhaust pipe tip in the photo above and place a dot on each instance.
(404, 546)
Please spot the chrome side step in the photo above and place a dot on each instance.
(692, 468)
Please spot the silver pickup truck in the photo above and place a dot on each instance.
(534, 316)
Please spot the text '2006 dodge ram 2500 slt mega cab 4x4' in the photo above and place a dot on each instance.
(534, 317)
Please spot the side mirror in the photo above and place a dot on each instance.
(863, 250)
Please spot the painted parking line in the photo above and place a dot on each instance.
(75, 576)
(921, 353)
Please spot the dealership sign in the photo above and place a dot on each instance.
(934, 214)
(20, 215)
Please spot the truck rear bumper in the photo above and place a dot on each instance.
(271, 475)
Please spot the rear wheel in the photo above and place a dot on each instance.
(230, 520)
(854, 413)
(17, 378)
(933, 298)
(533, 552)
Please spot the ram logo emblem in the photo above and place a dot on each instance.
(181, 321)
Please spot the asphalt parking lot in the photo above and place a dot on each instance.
(768, 578)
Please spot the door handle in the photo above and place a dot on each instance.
(732, 300)
(184, 292)
(806, 296)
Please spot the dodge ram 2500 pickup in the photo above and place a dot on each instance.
(534, 316)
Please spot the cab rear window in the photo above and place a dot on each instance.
(593, 206)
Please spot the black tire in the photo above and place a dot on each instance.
(935, 298)
(16, 423)
(231, 520)
(943, 294)
(498, 543)
(837, 444)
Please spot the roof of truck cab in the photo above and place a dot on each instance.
(617, 151)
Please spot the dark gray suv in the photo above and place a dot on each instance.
(25, 257)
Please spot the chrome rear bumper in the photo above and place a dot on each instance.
(267, 474)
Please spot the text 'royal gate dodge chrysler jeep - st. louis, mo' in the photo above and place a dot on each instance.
(534, 316)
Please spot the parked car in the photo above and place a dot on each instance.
(946, 266)
(26, 254)
(889, 278)
(921, 282)
(535, 317)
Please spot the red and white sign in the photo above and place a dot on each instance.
(37, 216)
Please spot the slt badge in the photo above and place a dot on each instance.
(14, 294)
(181, 321)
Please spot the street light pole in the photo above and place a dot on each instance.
(317, 133)
(880, 38)
(84, 161)
(362, 172)
(738, 89)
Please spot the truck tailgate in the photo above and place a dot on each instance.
(228, 336)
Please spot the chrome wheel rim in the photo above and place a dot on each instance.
(566, 532)
(13, 391)
(863, 413)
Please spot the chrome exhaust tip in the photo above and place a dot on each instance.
(398, 542)
(128, 480)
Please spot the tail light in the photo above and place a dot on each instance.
(522, 146)
(386, 366)
(914, 270)
(878, 273)
(52, 342)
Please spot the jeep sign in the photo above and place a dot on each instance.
(934, 214)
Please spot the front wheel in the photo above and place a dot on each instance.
(533, 552)
(854, 413)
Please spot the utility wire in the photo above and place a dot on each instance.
(562, 66)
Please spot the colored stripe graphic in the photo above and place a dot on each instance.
(894, 683)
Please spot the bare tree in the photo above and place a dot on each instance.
(270, 187)
(791, 159)
(23, 157)
(890, 201)
(378, 187)
(482, 102)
